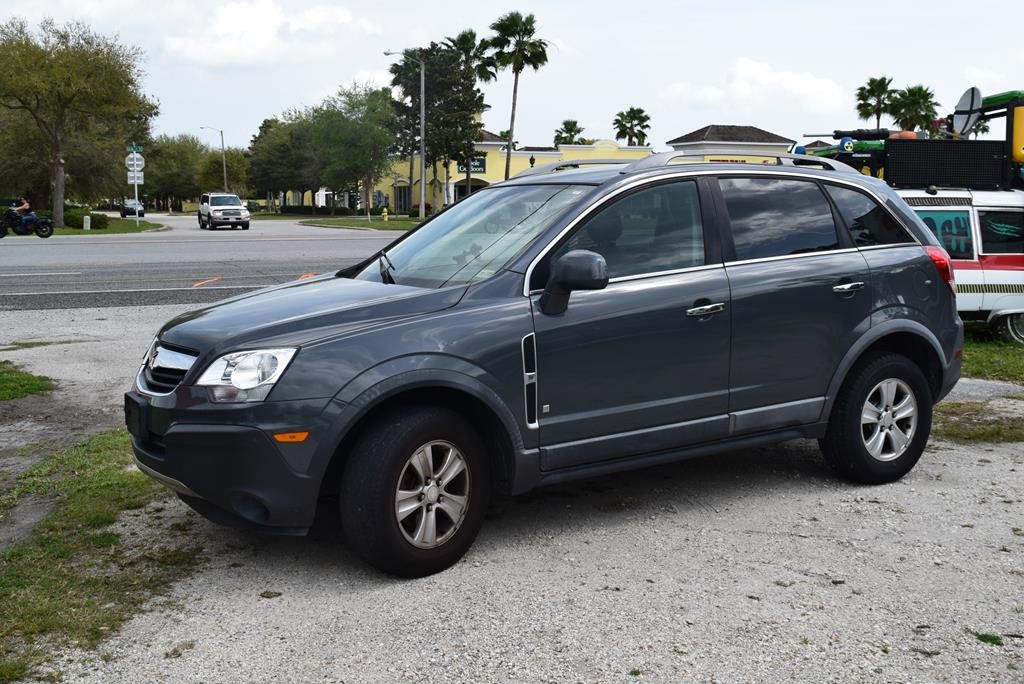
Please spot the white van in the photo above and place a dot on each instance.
(983, 232)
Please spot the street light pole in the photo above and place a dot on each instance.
(423, 130)
(223, 158)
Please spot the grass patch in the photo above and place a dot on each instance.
(74, 581)
(361, 222)
(992, 639)
(16, 383)
(990, 358)
(116, 225)
(975, 421)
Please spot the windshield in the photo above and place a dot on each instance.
(225, 201)
(475, 238)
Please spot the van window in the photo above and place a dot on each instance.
(775, 217)
(869, 224)
(953, 229)
(1002, 232)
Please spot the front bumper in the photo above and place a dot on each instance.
(223, 461)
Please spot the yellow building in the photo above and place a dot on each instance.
(400, 193)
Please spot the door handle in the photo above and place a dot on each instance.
(848, 288)
(707, 310)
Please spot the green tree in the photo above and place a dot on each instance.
(505, 135)
(980, 128)
(477, 62)
(211, 171)
(915, 107)
(875, 98)
(632, 126)
(70, 80)
(172, 166)
(571, 133)
(515, 46)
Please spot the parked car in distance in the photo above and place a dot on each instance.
(222, 209)
(129, 207)
(560, 325)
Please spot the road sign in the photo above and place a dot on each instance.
(135, 162)
(135, 177)
(133, 148)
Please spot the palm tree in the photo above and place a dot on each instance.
(875, 99)
(474, 54)
(632, 125)
(506, 135)
(915, 107)
(980, 128)
(571, 133)
(515, 45)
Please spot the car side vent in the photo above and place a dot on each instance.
(530, 379)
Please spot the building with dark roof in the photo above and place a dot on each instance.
(723, 137)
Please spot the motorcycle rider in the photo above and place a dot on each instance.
(24, 211)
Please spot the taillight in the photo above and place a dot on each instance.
(942, 264)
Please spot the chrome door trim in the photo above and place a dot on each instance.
(707, 310)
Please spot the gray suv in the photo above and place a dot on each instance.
(564, 324)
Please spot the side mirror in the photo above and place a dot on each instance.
(579, 269)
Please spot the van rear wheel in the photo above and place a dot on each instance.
(414, 491)
(880, 422)
(1011, 327)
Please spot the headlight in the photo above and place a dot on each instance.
(245, 376)
(218, 212)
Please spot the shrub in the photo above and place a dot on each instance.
(415, 211)
(73, 218)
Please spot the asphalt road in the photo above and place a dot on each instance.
(181, 265)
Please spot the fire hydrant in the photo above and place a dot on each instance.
(384, 214)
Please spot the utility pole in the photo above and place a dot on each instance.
(223, 158)
(423, 129)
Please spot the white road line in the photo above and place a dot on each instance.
(154, 289)
(28, 275)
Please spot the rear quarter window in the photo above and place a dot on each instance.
(869, 223)
(1002, 232)
(952, 227)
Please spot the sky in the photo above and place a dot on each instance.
(788, 66)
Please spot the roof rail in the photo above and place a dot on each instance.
(785, 159)
(568, 164)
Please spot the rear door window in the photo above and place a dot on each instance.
(1002, 231)
(773, 217)
(869, 224)
(953, 229)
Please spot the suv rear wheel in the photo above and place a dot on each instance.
(880, 422)
(414, 491)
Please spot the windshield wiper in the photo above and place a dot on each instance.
(386, 267)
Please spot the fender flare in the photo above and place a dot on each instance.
(876, 333)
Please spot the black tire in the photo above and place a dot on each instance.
(44, 229)
(200, 218)
(845, 443)
(376, 465)
(245, 226)
(1010, 327)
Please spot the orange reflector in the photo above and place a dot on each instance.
(291, 437)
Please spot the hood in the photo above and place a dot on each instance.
(298, 312)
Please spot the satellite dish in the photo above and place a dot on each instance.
(967, 111)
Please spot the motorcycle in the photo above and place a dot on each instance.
(12, 220)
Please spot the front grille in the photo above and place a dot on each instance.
(165, 368)
(163, 379)
(232, 212)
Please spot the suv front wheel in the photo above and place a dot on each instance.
(414, 491)
(880, 422)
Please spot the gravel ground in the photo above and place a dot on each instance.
(752, 566)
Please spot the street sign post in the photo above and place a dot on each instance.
(135, 162)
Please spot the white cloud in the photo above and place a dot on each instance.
(981, 75)
(750, 84)
(263, 32)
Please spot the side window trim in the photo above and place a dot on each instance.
(844, 232)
